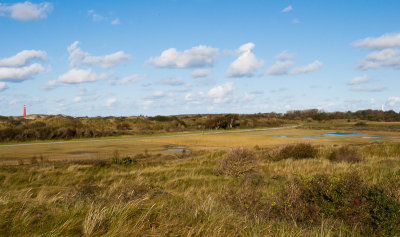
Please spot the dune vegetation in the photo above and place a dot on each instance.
(282, 190)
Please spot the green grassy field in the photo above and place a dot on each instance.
(269, 188)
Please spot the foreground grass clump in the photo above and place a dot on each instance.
(345, 153)
(295, 151)
(238, 162)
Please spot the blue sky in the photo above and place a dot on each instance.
(89, 58)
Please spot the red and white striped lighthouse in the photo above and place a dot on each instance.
(24, 110)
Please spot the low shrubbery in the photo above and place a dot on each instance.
(346, 199)
(126, 161)
(345, 153)
(295, 151)
(238, 162)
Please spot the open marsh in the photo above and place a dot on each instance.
(103, 148)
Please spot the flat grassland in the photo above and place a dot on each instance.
(132, 186)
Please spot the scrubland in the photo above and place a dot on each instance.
(299, 189)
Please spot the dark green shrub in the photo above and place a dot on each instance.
(238, 162)
(295, 151)
(125, 161)
(368, 208)
(360, 124)
(345, 153)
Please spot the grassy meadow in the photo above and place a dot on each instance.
(254, 183)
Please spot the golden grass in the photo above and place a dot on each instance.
(180, 197)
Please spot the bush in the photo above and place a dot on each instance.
(295, 151)
(125, 161)
(348, 199)
(345, 153)
(238, 162)
(360, 124)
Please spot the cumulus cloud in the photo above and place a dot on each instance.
(287, 9)
(77, 57)
(172, 81)
(110, 102)
(220, 93)
(3, 86)
(383, 58)
(130, 79)
(284, 62)
(216, 95)
(246, 63)
(384, 41)
(308, 68)
(18, 74)
(76, 76)
(198, 56)
(15, 68)
(368, 89)
(201, 72)
(359, 80)
(26, 11)
(279, 68)
(22, 58)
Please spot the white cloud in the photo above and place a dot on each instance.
(22, 58)
(18, 74)
(246, 63)
(279, 68)
(115, 21)
(97, 17)
(198, 56)
(76, 76)
(156, 96)
(287, 9)
(220, 94)
(285, 55)
(111, 101)
(383, 58)
(201, 72)
(77, 99)
(283, 63)
(368, 89)
(3, 86)
(381, 42)
(26, 11)
(393, 100)
(308, 68)
(77, 57)
(359, 80)
(195, 98)
(131, 79)
(172, 81)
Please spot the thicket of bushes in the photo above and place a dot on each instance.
(66, 127)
